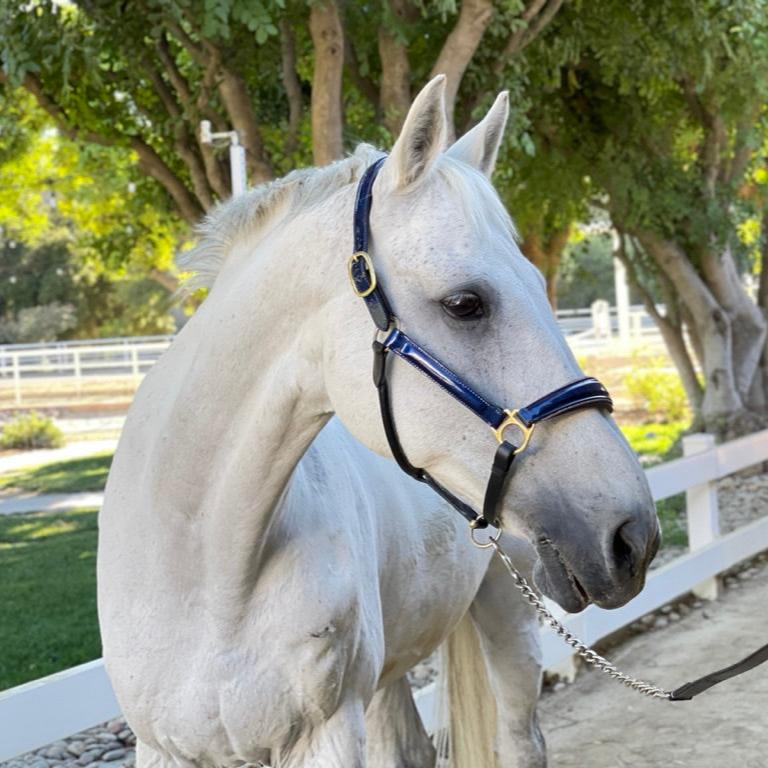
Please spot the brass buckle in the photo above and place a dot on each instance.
(513, 420)
(371, 272)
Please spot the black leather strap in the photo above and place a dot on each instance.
(502, 463)
(689, 690)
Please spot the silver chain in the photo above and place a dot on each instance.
(586, 653)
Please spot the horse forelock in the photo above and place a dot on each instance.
(241, 217)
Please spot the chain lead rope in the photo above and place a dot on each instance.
(583, 650)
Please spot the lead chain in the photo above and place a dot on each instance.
(590, 656)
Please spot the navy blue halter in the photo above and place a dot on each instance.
(586, 392)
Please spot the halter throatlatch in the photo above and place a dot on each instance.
(587, 392)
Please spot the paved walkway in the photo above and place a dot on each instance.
(77, 450)
(596, 723)
(19, 503)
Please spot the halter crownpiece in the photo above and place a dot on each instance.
(586, 392)
(583, 393)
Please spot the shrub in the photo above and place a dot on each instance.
(31, 430)
(658, 391)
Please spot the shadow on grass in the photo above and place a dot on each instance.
(47, 594)
(86, 474)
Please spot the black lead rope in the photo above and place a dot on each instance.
(579, 394)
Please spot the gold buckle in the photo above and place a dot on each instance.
(371, 272)
(513, 420)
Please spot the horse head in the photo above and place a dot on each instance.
(445, 249)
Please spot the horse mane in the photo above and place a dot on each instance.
(240, 217)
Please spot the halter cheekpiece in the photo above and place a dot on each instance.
(583, 393)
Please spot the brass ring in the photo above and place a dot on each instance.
(369, 267)
(513, 420)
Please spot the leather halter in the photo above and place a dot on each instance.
(583, 393)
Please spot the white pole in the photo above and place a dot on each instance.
(236, 155)
(702, 511)
(622, 293)
(237, 167)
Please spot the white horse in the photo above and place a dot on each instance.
(267, 575)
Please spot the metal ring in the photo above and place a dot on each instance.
(492, 540)
(513, 420)
(365, 256)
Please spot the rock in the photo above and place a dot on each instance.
(76, 748)
(125, 734)
(674, 616)
(666, 609)
(558, 686)
(56, 752)
(698, 604)
(684, 609)
(649, 619)
(661, 622)
(116, 725)
(89, 757)
(113, 754)
(748, 574)
(706, 614)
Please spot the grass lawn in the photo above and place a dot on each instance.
(47, 594)
(85, 474)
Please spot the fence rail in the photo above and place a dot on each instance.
(28, 366)
(51, 708)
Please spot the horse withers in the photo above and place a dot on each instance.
(266, 574)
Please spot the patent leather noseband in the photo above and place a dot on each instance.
(583, 393)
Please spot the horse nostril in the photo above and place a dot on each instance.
(624, 548)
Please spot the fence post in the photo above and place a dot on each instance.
(135, 362)
(702, 511)
(16, 379)
(78, 371)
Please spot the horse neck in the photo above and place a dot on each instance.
(252, 396)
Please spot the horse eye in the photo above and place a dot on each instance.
(463, 305)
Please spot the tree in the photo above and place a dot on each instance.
(141, 75)
(662, 108)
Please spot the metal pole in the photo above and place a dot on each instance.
(622, 292)
(236, 155)
(237, 168)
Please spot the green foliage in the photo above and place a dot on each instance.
(658, 391)
(586, 273)
(47, 322)
(655, 442)
(48, 618)
(71, 476)
(31, 430)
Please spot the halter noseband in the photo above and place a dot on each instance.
(583, 393)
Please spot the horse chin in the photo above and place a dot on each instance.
(555, 580)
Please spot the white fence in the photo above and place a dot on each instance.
(37, 365)
(51, 708)
(30, 366)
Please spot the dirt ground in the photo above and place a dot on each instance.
(597, 723)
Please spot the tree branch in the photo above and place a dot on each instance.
(291, 84)
(395, 98)
(536, 17)
(364, 84)
(459, 48)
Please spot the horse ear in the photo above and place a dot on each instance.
(423, 136)
(480, 146)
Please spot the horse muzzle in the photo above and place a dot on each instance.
(577, 570)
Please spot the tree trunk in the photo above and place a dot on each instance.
(395, 98)
(723, 404)
(458, 50)
(328, 40)
(546, 252)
